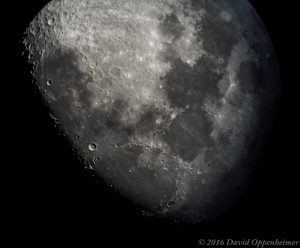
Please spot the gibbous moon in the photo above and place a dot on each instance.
(167, 101)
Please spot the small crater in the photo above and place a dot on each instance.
(220, 60)
(93, 65)
(30, 56)
(151, 165)
(92, 86)
(171, 204)
(83, 28)
(116, 72)
(131, 170)
(56, 121)
(142, 163)
(51, 21)
(92, 147)
(84, 59)
(116, 146)
(77, 137)
(97, 76)
(158, 121)
(49, 82)
(77, 104)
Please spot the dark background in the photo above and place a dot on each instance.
(51, 198)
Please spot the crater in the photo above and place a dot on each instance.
(116, 72)
(92, 147)
(105, 83)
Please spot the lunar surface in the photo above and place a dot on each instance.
(167, 101)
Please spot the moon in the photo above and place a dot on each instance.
(167, 101)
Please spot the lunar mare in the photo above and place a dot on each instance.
(164, 100)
